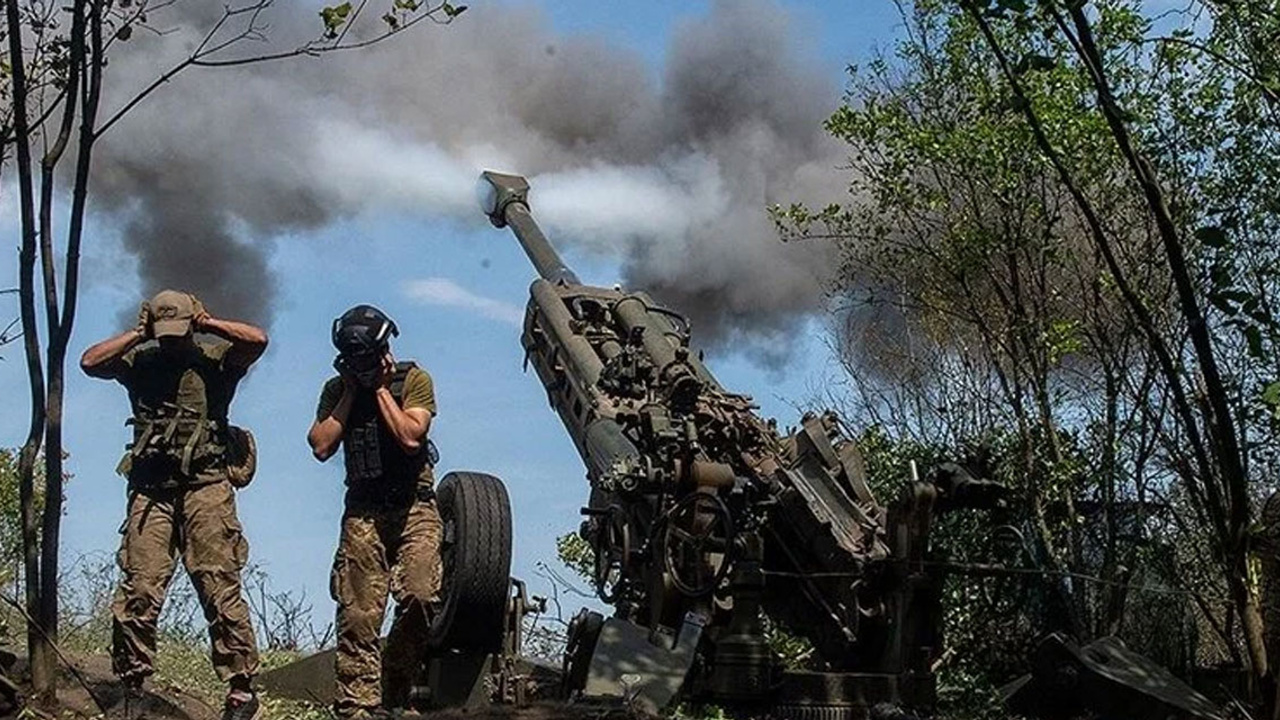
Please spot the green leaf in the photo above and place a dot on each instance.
(1271, 395)
(1212, 236)
(334, 16)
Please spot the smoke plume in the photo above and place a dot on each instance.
(668, 172)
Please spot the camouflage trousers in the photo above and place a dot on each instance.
(200, 525)
(383, 551)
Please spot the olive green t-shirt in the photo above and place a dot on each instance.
(200, 375)
(419, 392)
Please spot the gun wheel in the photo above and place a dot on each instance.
(476, 556)
(697, 543)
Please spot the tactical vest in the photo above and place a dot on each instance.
(378, 469)
(180, 432)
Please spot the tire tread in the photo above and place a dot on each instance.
(475, 597)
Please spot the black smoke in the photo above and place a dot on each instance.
(668, 172)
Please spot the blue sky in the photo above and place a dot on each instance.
(493, 417)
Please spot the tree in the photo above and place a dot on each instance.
(971, 311)
(53, 83)
(1063, 227)
(1210, 411)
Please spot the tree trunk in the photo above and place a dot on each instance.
(87, 37)
(1228, 461)
(43, 677)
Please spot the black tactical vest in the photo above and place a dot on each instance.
(378, 469)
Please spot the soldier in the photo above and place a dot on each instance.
(379, 411)
(180, 497)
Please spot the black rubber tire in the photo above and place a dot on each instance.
(476, 553)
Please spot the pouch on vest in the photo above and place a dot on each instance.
(177, 433)
(362, 446)
(242, 456)
(173, 434)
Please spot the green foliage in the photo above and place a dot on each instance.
(793, 651)
(10, 513)
(576, 554)
(403, 11)
(183, 667)
(334, 17)
(691, 711)
(979, 321)
(10, 522)
(1271, 396)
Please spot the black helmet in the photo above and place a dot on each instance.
(363, 330)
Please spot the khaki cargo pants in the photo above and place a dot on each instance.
(200, 524)
(381, 551)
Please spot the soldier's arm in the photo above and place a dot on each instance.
(248, 342)
(331, 420)
(103, 359)
(408, 424)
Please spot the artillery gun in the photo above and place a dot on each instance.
(704, 520)
(709, 529)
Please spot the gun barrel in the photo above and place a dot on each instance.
(505, 199)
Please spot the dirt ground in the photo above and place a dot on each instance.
(98, 690)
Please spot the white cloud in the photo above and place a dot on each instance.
(443, 291)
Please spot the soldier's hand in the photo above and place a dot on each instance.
(200, 316)
(388, 371)
(349, 383)
(143, 328)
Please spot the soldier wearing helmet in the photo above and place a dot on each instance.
(180, 475)
(379, 411)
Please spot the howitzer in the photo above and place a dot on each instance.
(704, 519)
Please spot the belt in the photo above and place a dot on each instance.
(368, 494)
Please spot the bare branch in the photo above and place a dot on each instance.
(211, 45)
(5, 337)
